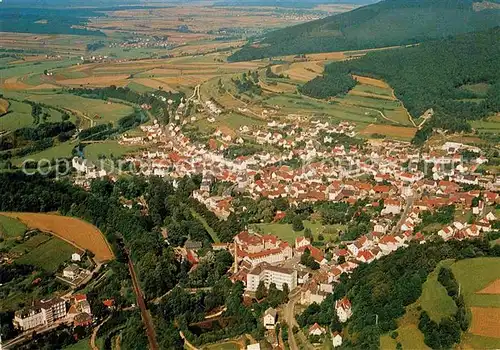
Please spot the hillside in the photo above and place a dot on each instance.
(387, 23)
(458, 77)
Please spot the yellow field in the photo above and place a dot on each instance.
(301, 71)
(98, 81)
(77, 232)
(279, 87)
(4, 106)
(371, 81)
(389, 130)
(485, 321)
(154, 83)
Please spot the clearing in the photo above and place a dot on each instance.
(100, 111)
(395, 132)
(11, 228)
(485, 321)
(4, 106)
(77, 232)
(286, 233)
(49, 255)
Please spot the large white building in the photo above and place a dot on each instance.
(271, 274)
(43, 312)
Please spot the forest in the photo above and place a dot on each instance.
(387, 23)
(381, 290)
(442, 75)
(47, 20)
(157, 266)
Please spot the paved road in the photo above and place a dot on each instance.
(404, 216)
(290, 319)
(146, 317)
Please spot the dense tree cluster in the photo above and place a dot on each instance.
(382, 289)
(248, 83)
(325, 86)
(436, 74)
(306, 259)
(58, 21)
(387, 23)
(443, 216)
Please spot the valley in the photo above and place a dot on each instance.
(249, 174)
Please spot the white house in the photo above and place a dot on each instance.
(343, 309)
(446, 233)
(76, 257)
(336, 339)
(301, 241)
(71, 271)
(316, 329)
(391, 206)
(270, 318)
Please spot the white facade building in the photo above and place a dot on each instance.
(271, 274)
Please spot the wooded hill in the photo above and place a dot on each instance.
(458, 77)
(387, 23)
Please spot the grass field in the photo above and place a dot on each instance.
(77, 232)
(435, 299)
(488, 125)
(19, 116)
(100, 111)
(62, 150)
(49, 255)
(108, 149)
(83, 344)
(11, 228)
(473, 276)
(210, 231)
(377, 95)
(285, 231)
(30, 244)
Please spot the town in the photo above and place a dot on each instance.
(405, 190)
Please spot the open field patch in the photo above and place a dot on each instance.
(286, 233)
(371, 81)
(154, 84)
(279, 87)
(488, 125)
(485, 321)
(11, 228)
(401, 132)
(435, 299)
(474, 275)
(492, 288)
(4, 106)
(107, 149)
(76, 232)
(301, 71)
(97, 81)
(100, 111)
(19, 116)
(61, 150)
(49, 255)
(31, 243)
